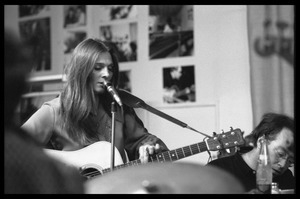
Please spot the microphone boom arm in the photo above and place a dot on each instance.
(135, 102)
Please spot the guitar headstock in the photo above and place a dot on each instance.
(225, 140)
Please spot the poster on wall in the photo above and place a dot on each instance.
(71, 40)
(178, 84)
(37, 33)
(32, 10)
(74, 16)
(171, 31)
(125, 80)
(124, 37)
(114, 12)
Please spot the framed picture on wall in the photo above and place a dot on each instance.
(74, 16)
(179, 84)
(36, 32)
(115, 12)
(32, 10)
(124, 37)
(72, 39)
(125, 80)
(171, 31)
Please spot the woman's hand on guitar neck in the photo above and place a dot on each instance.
(147, 150)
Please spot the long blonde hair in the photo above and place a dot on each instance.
(77, 97)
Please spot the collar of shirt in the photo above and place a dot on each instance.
(244, 166)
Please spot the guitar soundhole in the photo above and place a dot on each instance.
(89, 172)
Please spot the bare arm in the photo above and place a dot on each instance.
(40, 124)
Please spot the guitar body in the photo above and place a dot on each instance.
(96, 156)
(95, 159)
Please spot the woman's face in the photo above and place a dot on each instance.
(102, 71)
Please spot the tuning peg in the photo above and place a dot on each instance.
(214, 134)
(222, 131)
(231, 128)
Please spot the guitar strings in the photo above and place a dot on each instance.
(180, 153)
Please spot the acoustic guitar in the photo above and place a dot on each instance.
(95, 159)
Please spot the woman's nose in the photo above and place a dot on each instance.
(105, 72)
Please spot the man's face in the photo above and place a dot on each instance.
(281, 156)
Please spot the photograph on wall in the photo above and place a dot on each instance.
(74, 16)
(31, 10)
(125, 80)
(171, 31)
(179, 84)
(37, 34)
(124, 37)
(114, 12)
(72, 39)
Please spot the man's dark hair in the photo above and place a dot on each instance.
(270, 125)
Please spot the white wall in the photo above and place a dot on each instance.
(222, 81)
(11, 17)
(221, 73)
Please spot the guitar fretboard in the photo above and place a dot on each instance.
(167, 156)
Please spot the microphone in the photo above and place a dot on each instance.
(113, 92)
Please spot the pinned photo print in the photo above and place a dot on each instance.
(124, 37)
(171, 31)
(179, 84)
(31, 10)
(37, 34)
(125, 80)
(115, 12)
(74, 16)
(72, 39)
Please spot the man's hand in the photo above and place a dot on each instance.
(147, 150)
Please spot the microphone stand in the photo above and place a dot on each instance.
(113, 113)
(135, 102)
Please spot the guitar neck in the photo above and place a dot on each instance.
(167, 156)
(179, 153)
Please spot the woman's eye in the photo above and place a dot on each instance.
(98, 67)
(110, 68)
